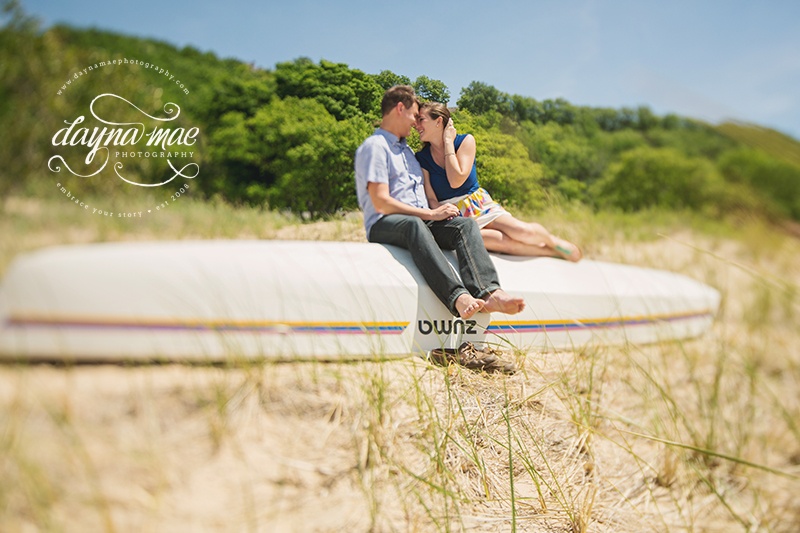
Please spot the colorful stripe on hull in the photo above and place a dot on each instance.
(336, 328)
(537, 326)
(222, 326)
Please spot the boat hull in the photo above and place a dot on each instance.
(227, 300)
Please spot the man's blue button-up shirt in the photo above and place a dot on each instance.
(384, 158)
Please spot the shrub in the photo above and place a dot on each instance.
(656, 177)
(778, 181)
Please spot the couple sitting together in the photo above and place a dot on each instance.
(432, 201)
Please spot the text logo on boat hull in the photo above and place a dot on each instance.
(447, 327)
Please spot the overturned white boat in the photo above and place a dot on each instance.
(228, 300)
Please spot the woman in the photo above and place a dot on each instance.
(448, 165)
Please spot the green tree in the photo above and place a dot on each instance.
(431, 90)
(387, 79)
(344, 92)
(615, 143)
(292, 154)
(773, 179)
(241, 90)
(693, 141)
(526, 109)
(607, 118)
(479, 98)
(26, 101)
(558, 110)
(236, 170)
(317, 177)
(646, 119)
(657, 177)
(571, 161)
(504, 168)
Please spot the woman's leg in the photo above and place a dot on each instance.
(499, 242)
(527, 238)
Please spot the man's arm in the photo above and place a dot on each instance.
(371, 168)
(386, 205)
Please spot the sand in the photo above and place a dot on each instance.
(692, 436)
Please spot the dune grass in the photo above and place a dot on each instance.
(700, 435)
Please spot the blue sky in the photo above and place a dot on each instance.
(713, 60)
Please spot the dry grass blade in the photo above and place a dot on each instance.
(693, 436)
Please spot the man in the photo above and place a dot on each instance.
(391, 194)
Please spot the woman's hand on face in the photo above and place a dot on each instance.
(450, 131)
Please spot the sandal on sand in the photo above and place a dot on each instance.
(470, 357)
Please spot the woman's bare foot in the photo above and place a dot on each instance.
(500, 301)
(467, 306)
(567, 250)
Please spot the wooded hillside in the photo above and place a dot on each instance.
(284, 138)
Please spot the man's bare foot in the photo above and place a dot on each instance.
(467, 306)
(500, 301)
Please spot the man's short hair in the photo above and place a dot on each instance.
(397, 94)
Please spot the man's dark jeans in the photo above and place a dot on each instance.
(426, 240)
